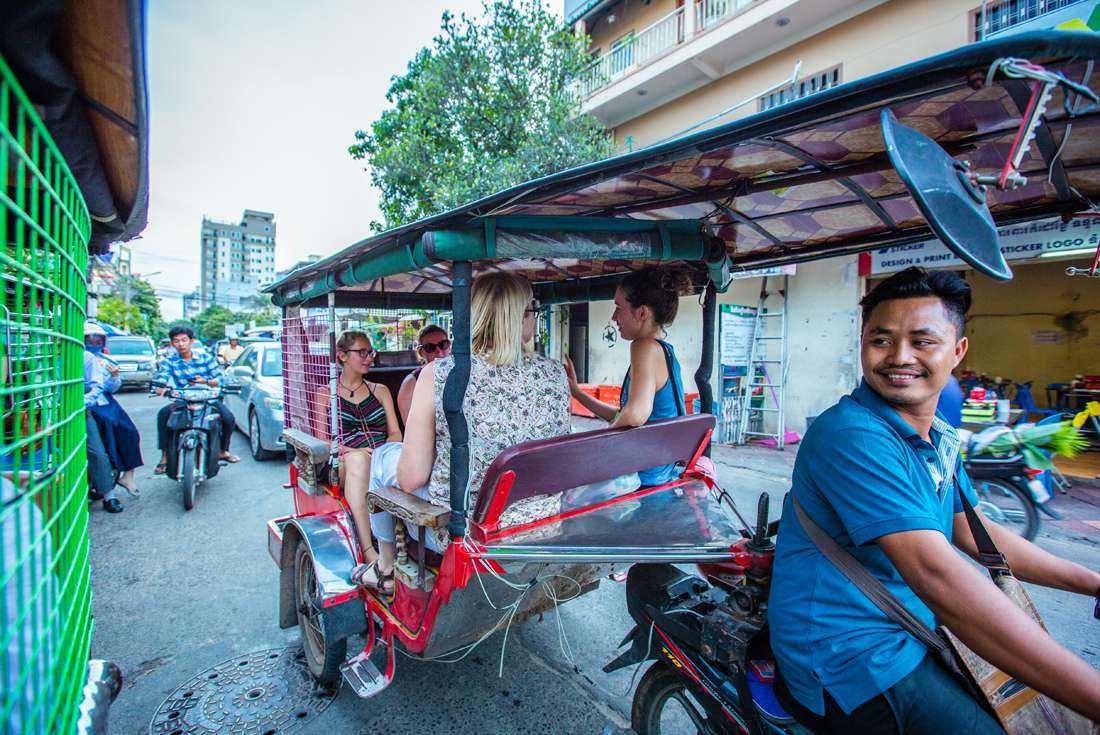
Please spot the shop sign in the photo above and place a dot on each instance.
(1018, 242)
(776, 270)
(736, 325)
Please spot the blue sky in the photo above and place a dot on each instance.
(253, 105)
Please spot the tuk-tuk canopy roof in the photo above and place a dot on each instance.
(807, 180)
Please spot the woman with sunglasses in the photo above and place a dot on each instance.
(432, 343)
(367, 420)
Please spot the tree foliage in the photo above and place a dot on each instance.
(209, 324)
(490, 105)
(142, 316)
(114, 310)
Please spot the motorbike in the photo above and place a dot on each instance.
(713, 669)
(194, 437)
(1010, 492)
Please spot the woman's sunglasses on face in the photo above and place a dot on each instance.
(431, 347)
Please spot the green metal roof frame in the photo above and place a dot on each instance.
(466, 233)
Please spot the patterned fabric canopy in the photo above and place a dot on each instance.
(809, 179)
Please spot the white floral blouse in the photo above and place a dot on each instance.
(504, 406)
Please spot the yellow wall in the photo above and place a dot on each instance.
(892, 34)
(1041, 298)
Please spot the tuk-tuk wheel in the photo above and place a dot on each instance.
(664, 702)
(323, 656)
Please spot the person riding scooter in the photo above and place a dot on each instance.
(180, 370)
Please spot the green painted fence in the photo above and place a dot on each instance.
(45, 603)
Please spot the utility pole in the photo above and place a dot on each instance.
(125, 270)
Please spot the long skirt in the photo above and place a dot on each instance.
(120, 437)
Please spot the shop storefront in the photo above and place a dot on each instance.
(1043, 326)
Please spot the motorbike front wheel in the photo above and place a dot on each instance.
(188, 476)
(1008, 504)
(665, 705)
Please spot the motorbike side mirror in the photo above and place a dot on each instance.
(243, 371)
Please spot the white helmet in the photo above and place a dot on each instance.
(93, 329)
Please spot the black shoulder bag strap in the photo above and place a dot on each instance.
(989, 555)
(876, 591)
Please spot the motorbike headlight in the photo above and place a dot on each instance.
(275, 404)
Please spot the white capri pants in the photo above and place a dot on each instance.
(383, 473)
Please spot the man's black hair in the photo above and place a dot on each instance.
(181, 329)
(915, 283)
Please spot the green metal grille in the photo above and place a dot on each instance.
(45, 607)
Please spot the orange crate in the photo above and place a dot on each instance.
(576, 407)
(689, 400)
(610, 394)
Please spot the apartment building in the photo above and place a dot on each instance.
(238, 259)
(663, 68)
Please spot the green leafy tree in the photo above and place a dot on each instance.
(209, 324)
(490, 105)
(114, 310)
(146, 319)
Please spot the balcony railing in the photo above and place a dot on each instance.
(709, 13)
(996, 17)
(667, 33)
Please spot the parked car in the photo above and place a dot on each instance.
(258, 407)
(136, 357)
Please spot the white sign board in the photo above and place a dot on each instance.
(1018, 242)
(775, 270)
(736, 324)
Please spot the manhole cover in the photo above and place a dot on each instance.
(261, 693)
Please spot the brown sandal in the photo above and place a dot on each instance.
(370, 576)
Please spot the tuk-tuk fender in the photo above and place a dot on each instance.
(342, 611)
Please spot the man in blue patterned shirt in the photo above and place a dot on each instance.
(187, 367)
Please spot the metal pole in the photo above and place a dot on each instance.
(454, 393)
(706, 358)
(333, 377)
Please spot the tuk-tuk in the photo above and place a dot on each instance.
(947, 147)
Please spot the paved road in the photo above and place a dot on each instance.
(176, 593)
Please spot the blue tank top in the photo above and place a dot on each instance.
(668, 403)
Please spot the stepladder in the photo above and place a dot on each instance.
(760, 398)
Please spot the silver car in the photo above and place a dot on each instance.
(258, 408)
(136, 357)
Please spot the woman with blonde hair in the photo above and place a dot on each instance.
(367, 419)
(513, 396)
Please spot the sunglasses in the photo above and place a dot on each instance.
(364, 354)
(430, 347)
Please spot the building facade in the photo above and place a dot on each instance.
(664, 68)
(238, 259)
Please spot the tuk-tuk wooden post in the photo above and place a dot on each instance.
(706, 358)
(454, 392)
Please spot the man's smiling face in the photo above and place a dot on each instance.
(909, 348)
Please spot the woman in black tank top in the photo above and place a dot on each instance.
(367, 418)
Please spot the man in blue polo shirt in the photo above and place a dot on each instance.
(880, 473)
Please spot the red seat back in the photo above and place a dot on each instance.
(569, 461)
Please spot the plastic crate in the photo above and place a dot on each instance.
(610, 394)
(576, 407)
